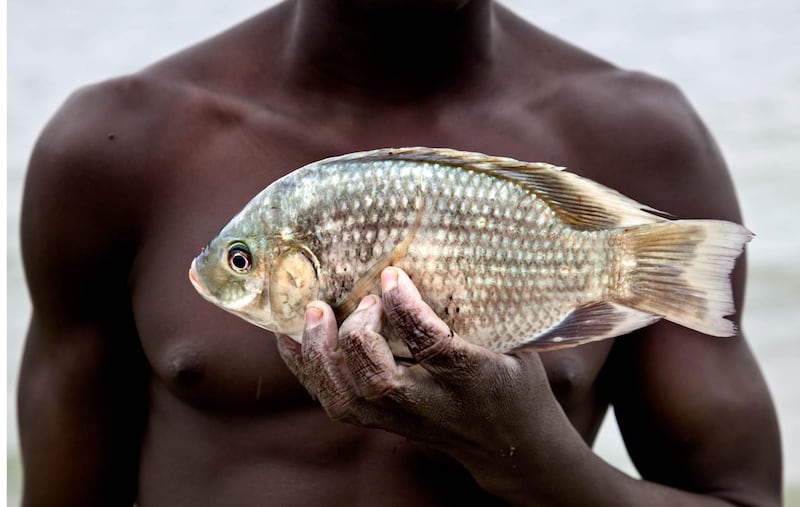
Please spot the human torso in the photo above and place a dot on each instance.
(227, 423)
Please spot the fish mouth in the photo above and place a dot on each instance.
(195, 279)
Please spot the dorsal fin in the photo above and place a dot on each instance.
(579, 202)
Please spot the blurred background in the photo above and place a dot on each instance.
(738, 62)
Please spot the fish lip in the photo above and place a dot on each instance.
(195, 279)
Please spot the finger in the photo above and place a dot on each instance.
(432, 343)
(366, 353)
(320, 331)
(368, 315)
(324, 373)
(290, 352)
(319, 337)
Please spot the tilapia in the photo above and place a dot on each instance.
(507, 253)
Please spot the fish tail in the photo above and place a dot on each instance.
(680, 270)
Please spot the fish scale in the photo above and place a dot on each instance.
(507, 253)
(472, 248)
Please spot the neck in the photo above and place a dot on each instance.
(392, 50)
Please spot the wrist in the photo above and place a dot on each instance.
(527, 463)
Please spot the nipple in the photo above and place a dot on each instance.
(186, 366)
(566, 374)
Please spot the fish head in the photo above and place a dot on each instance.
(265, 281)
(231, 273)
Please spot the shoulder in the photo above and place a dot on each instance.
(584, 90)
(626, 100)
(90, 153)
(648, 141)
(138, 116)
(89, 180)
(116, 119)
(619, 105)
(627, 129)
(115, 140)
(101, 129)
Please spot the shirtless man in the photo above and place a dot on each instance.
(135, 389)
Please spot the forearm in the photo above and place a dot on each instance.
(553, 465)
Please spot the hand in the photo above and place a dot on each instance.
(471, 403)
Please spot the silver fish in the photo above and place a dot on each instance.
(507, 253)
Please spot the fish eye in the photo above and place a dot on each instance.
(239, 258)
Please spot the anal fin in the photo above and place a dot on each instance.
(589, 323)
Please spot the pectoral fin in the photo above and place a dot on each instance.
(369, 283)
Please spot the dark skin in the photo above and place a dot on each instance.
(135, 389)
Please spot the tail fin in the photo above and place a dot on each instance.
(681, 271)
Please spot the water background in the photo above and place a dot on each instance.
(738, 61)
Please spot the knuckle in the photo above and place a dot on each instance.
(463, 364)
(313, 353)
(376, 385)
(426, 345)
(349, 410)
(338, 410)
(425, 338)
(337, 400)
(371, 365)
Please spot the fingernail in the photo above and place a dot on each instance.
(366, 303)
(313, 316)
(389, 279)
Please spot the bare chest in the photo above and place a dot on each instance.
(211, 358)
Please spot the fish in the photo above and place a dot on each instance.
(507, 253)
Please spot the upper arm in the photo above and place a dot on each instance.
(695, 414)
(694, 410)
(81, 388)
